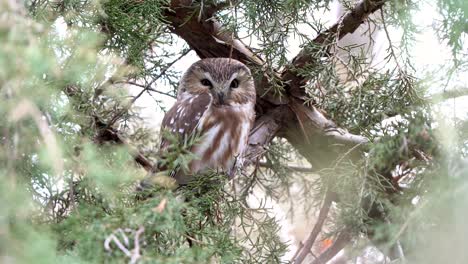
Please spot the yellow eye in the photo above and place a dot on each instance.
(234, 83)
(206, 82)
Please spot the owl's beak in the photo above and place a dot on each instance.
(220, 97)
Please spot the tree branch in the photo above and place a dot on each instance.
(289, 167)
(308, 56)
(145, 87)
(305, 250)
(266, 127)
(449, 94)
(105, 133)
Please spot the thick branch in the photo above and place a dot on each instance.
(205, 35)
(308, 56)
(265, 129)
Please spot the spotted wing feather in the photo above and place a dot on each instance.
(183, 118)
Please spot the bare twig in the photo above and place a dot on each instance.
(401, 253)
(113, 238)
(306, 249)
(289, 167)
(133, 254)
(192, 239)
(346, 25)
(136, 250)
(146, 88)
(299, 248)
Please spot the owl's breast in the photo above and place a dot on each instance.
(224, 134)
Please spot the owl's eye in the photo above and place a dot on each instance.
(206, 82)
(234, 83)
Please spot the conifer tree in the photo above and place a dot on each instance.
(387, 165)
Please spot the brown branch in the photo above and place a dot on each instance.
(306, 249)
(348, 23)
(266, 127)
(105, 133)
(318, 138)
(205, 35)
(109, 134)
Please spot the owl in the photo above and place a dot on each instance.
(215, 101)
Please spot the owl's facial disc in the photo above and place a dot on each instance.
(229, 82)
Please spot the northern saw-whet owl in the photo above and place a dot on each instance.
(216, 100)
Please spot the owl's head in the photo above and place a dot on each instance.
(229, 81)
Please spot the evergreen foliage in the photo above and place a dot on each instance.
(68, 181)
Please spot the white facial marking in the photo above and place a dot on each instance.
(208, 76)
(233, 76)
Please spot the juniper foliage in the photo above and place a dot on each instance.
(67, 183)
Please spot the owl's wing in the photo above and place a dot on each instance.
(183, 118)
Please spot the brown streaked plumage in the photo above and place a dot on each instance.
(216, 99)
